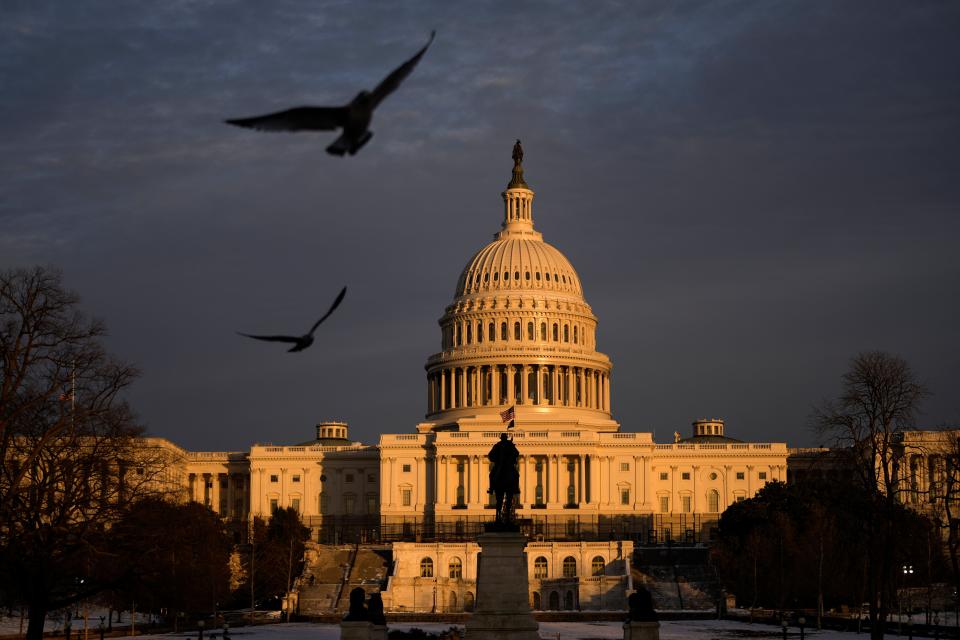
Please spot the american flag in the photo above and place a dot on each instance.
(508, 415)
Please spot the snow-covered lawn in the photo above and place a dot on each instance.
(669, 630)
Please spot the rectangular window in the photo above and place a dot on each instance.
(739, 475)
(762, 475)
(685, 502)
(371, 477)
(348, 478)
(295, 504)
(664, 475)
(664, 504)
(738, 499)
(273, 505)
(296, 478)
(685, 475)
(371, 504)
(349, 503)
(624, 466)
(406, 468)
(625, 496)
(405, 497)
(274, 478)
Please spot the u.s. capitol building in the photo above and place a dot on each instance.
(518, 333)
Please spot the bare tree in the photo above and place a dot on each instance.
(70, 457)
(880, 399)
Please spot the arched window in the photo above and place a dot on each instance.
(528, 276)
(566, 333)
(486, 277)
(470, 333)
(452, 602)
(569, 567)
(538, 275)
(503, 330)
(506, 276)
(529, 331)
(713, 501)
(516, 330)
(536, 601)
(574, 335)
(554, 600)
(479, 332)
(568, 601)
(496, 276)
(426, 568)
(468, 601)
(492, 335)
(516, 275)
(597, 565)
(547, 274)
(543, 331)
(456, 568)
(459, 335)
(556, 334)
(540, 568)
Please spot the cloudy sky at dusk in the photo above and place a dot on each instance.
(752, 192)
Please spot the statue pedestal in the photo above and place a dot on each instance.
(359, 630)
(503, 608)
(378, 632)
(635, 630)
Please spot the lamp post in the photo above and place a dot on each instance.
(783, 623)
(226, 630)
(801, 621)
(936, 626)
(101, 628)
(200, 625)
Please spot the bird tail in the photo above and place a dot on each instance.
(339, 146)
(345, 144)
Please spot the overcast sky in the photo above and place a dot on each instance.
(752, 192)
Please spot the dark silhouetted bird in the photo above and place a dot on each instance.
(302, 342)
(354, 117)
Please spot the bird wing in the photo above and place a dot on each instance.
(389, 84)
(271, 338)
(297, 119)
(336, 303)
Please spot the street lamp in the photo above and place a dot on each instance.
(801, 621)
(783, 622)
(200, 624)
(101, 627)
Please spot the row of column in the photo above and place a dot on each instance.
(205, 488)
(536, 384)
(462, 481)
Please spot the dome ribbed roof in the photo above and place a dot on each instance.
(515, 264)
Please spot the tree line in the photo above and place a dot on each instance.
(88, 512)
(842, 537)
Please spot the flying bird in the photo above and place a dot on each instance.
(301, 342)
(354, 117)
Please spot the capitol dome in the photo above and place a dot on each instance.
(519, 333)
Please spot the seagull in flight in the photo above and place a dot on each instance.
(354, 117)
(301, 342)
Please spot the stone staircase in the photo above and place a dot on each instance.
(677, 578)
(332, 571)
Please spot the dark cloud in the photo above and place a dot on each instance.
(752, 192)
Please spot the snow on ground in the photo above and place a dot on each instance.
(669, 630)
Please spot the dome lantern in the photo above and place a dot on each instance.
(517, 200)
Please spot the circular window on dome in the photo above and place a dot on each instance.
(713, 476)
(528, 276)
(516, 275)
